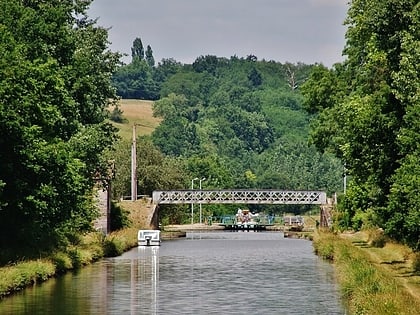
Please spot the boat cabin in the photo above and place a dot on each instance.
(148, 238)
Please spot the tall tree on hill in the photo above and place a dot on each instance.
(55, 88)
(137, 51)
(149, 56)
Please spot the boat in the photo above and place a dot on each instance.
(246, 221)
(148, 237)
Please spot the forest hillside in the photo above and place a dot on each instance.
(237, 122)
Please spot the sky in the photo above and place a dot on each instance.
(308, 31)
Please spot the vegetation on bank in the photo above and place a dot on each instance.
(55, 78)
(237, 122)
(84, 250)
(374, 280)
(366, 112)
(19, 275)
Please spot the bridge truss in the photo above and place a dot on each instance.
(241, 196)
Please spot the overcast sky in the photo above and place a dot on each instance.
(308, 31)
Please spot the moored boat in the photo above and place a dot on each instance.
(148, 238)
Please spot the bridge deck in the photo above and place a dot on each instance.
(239, 197)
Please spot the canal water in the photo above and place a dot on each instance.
(204, 273)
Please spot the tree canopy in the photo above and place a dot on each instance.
(240, 124)
(367, 114)
(55, 72)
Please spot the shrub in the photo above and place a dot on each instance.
(324, 245)
(119, 217)
(377, 238)
(62, 262)
(117, 115)
(17, 277)
(416, 263)
(113, 247)
(77, 258)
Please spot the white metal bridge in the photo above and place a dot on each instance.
(239, 196)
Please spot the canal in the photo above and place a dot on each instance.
(204, 273)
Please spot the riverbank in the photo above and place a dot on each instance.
(84, 250)
(373, 280)
(89, 248)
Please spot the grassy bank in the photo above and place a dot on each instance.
(369, 282)
(92, 247)
(86, 250)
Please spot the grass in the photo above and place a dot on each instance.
(137, 112)
(373, 280)
(23, 274)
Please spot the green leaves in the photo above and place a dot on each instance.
(368, 112)
(55, 87)
(236, 135)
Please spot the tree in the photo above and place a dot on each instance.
(255, 78)
(135, 80)
(165, 69)
(149, 56)
(55, 88)
(365, 108)
(137, 51)
(403, 210)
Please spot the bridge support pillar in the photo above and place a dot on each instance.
(326, 214)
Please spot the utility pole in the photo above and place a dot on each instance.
(134, 166)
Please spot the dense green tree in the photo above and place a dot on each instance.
(135, 80)
(55, 71)
(140, 79)
(403, 209)
(177, 134)
(155, 171)
(149, 56)
(255, 78)
(137, 50)
(365, 107)
(208, 63)
(214, 110)
(165, 69)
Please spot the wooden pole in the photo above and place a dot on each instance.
(134, 166)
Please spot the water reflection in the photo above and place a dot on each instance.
(206, 273)
(145, 280)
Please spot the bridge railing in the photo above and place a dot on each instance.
(239, 196)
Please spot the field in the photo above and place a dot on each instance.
(137, 112)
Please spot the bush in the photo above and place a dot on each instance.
(324, 245)
(377, 238)
(62, 262)
(416, 263)
(113, 247)
(117, 115)
(119, 218)
(75, 258)
(19, 276)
